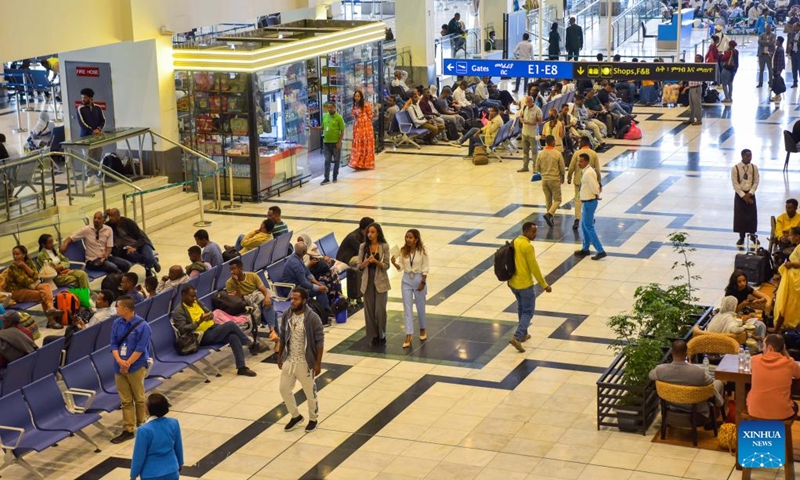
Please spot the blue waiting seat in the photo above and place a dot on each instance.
(104, 333)
(50, 413)
(48, 359)
(281, 251)
(408, 131)
(80, 376)
(18, 434)
(223, 275)
(249, 260)
(328, 245)
(168, 361)
(143, 308)
(205, 282)
(279, 303)
(82, 344)
(76, 253)
(274, 279)
(264, 254)
(103, 362)
(161, 305)
(19, 373)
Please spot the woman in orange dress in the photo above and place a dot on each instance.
(362, 153)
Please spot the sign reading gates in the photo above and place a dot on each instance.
(762, 444)
(507, 68)
(699, 72)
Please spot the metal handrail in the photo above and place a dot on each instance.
(16, 231)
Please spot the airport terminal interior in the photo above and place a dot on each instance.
(214, 149)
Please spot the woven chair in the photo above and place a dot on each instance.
(670, 393)
(712, 343)
(740, 337)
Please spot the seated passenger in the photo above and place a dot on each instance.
(211, 251)
(98, 241)
(174, 278)
(399, 81)
(150, 287)
(555, 127)
(191, 316)
(130, 286)
(482, 94)
(14, 344)
(41, 132)
(249, 287)
(489, 131)
(726, 321)
(296, 272)
(274, 214)
(324, 268)
(66, 277)
(787, 297)
(255, 238)
(197, 266)
(745, 294)
(682, 373)
(771, 382)
(105, 307)
(131, 243)
(22, 281)
(783, 226)
(420, 121)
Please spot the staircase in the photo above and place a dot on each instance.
(161, 208)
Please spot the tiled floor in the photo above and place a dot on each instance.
(466, 405)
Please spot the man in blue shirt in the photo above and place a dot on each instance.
(211, 251)
(130, 346)
(297, 273)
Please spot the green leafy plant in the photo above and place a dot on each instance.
(659, 315)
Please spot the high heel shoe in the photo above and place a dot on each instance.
(407, 343)
(423, 335)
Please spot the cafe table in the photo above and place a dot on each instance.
(728, 372)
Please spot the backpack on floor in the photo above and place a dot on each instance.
(633, 133)
(711, 96)
(69, 303)
(479, 155)
(25, 320)
(323, 313)
(452, 131)
(504, 265)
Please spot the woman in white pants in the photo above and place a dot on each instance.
(414, 264)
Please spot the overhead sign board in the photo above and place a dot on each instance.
(698, 72)
(507, 68)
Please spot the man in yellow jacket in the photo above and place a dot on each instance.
(521, 283)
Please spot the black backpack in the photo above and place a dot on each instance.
(504, 266)
(114, 163)
(711, 96)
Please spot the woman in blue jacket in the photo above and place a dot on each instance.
(158, 451)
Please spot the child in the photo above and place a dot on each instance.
(197, 266)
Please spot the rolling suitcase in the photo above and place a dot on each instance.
(755, 265)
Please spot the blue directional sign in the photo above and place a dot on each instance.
(507, 68)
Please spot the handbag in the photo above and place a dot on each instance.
(536, 177)
(229, 304)
(187, 344)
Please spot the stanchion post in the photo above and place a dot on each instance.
(202, 222)
(231, 206)
(20, 128)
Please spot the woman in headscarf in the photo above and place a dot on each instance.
(66, 277)
(323, 267)
(554, 50)
(41, 132)
(726, 321)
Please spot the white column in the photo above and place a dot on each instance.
(415, 30)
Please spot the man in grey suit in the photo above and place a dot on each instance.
(682, 373)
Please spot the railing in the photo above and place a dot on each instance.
(588, 16)
(540, 39)
(184, 40)
(56, 221)
(46, 164)
(629, 21)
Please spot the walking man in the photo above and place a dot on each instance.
(531, 117)
(793, 50)
(521, 283)
(574, 40)
(130, 346)
(574, 174)
(550, 163)
(766, 49)
(745, 178)
(332, 135)
(300, 357)
(590, 195)
(523, 51)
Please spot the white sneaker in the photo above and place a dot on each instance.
(93, 180)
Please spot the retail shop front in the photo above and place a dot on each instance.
(250, 99)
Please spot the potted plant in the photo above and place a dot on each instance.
(660, 314)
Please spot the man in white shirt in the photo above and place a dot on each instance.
(745, 178)
(420, 121)
(575, 174)
(523, 51)
(531, 118)
(400, 77)
(105, 307)
(98, 239)
(581, 113)
(590, 195)
(482, 95)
